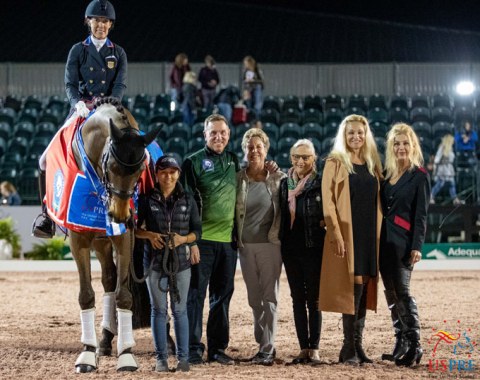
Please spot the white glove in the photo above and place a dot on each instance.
(82, 109)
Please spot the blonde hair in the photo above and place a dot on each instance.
(368, 152)
(415, 155)
(255, 132)
(8, 187)
(447, 144)
(190, 77)
(179, 59)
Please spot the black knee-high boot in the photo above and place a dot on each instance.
(348, 354)
(359, 326)
(401, 346)
(46, 228)
(409, 315)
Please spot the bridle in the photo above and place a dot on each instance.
(122, 194)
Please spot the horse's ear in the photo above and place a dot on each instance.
(150, 136)
(115, 132)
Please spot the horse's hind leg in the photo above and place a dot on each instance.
(80, 246)
(103, 248)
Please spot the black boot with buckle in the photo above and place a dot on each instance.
(348, 353)
(359, 326)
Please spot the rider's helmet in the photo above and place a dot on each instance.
(100, 8)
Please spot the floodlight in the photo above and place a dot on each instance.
(465, 88)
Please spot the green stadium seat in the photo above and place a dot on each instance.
(271, 102)
(5, 130)
(312, 130)
(270, 115)
(442, 100)
(312, 115)
(441, 114)
(420, 114)
(420, 101)
(162, 101)
(24, 129)
(291, 101)
(45, 129)
(377, 101)
(313, 101)
(334, 101)
(292, 130)
(358, 101)
(8, 115)
(399, 115)
(399, 101)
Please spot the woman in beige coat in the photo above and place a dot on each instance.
(353, 216)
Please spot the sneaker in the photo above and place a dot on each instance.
(262, 358)
(45, 230)
(222, 358)
(183, 366)
(432, 201)
(161, 366)
(458, 202)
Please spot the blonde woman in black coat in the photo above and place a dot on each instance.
(405, 196)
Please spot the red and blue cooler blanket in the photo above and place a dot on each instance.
(75, 197)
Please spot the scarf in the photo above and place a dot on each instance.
(295, 188)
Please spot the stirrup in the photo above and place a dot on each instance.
(42, 231)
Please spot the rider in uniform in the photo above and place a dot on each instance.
(95, 67)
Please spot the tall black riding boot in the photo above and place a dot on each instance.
(348, 354)
(409, 315)
(401, 345)
(46, 228)
(359, 326)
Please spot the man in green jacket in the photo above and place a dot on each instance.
(210, 174)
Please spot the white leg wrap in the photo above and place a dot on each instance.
(109, 321)
(89, 336)
(125, 331)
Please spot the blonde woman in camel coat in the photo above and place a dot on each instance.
(342, 290)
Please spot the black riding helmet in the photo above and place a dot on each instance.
(100, 8)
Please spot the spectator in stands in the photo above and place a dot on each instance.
(168, 212)
(210, 174)
(258, 221)
(225, 100)
(466, 143)
(302, 233)
(209, 79)
(405, 194)
(95, 67)
(188, 97)
(443, 169)
(353, 216)
(253, 84)
(179, 68)
(10, 196)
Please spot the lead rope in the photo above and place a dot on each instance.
(170, 266)
(132, 264)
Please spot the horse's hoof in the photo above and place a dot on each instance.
(127, 362)
(84, 368)
(87, 362)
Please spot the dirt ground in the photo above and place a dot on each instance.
(40, 333)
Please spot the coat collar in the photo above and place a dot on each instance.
(88, 43)
(404, 179)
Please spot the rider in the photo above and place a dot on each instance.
(95, 67)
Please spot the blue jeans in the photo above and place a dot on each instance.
(256, 100)
(216, 270)
(440, 183)
(158, 300)
(225, 109)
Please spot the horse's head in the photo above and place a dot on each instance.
(122, 165)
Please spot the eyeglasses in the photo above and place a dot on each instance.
(304, 157)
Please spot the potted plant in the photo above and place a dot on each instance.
(9, 240)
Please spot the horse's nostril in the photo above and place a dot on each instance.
(110, 214)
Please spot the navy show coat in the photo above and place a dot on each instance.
(404, 218)
(90, 73)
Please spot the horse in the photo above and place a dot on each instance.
(116, 150)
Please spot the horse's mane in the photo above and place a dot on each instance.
(112, 108)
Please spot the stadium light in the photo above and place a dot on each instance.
(465, 88)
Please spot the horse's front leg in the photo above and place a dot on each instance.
(124, 247)
(104, 251)
(80, 246)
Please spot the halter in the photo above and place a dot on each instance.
(122, 194)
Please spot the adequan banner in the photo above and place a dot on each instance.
(447, 251)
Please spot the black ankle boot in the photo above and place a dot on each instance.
(410, 318)
(401, 344)
(359, 326)
(46, 228)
